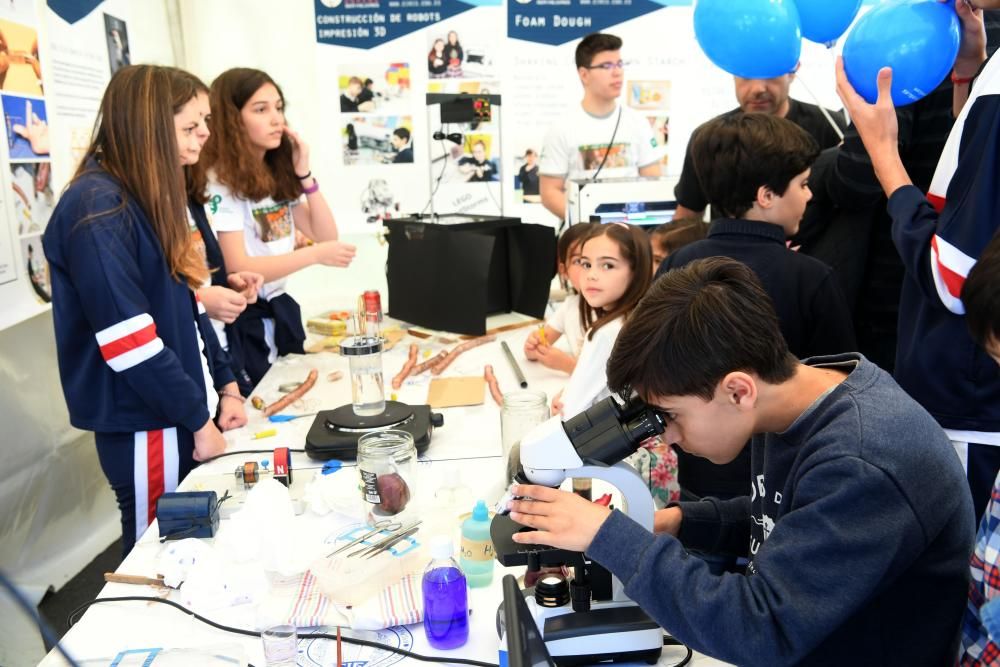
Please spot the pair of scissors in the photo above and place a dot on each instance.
(378, 527)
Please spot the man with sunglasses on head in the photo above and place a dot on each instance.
(768, 96)
(599, 136)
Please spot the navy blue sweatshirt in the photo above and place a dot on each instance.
(811, 308)
(859, 530)
(126, 329)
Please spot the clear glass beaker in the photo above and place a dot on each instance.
(364, 355)
(521, 411)
(280, 646)
(387, 466)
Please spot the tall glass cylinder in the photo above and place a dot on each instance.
(521, 411)
(364, 355)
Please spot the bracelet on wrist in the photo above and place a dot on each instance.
(229, 394)
(312, 188)
(302, 178)
(960, 79)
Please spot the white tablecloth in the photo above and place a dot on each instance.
(462, 464)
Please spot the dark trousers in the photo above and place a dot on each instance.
(141, 467)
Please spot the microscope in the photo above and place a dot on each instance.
(588, 619)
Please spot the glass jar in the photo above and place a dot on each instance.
(364, 355)
(387, 467)
(521, 411)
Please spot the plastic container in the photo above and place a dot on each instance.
(446, 598)
(477, 555)
(387, 466)
(364, 356)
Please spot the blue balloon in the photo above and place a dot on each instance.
(918, 39)
(824, 21)
(753, 39)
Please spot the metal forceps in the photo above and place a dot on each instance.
(377, 527)
(387, 542)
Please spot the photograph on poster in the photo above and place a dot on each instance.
(27, 127)
(526, 176)
(478, 163)
(375, 88)
(20, 69)
(33, 198)
(116, 34)
(36, 268)
(368, 140)
(451, 56)
(649, 95)
(379, 201)
(661, 133)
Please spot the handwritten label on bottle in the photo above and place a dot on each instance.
(477, 549)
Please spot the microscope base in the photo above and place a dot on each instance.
(608, 632)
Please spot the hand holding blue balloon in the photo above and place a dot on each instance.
(877, 125)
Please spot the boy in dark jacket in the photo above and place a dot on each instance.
(858, 527)
(754, 169)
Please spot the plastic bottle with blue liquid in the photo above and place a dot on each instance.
(477, 548)
(446, 598)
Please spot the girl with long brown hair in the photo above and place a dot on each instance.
(139, 362)
(616, 265)
(260, 192)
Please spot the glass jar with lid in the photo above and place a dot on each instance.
(387, 465)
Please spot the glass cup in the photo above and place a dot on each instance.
(280, 646)
(364, 355)
(521, 411)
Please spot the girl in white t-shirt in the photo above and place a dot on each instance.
(260, 192)
(616, 272)
(566, 321)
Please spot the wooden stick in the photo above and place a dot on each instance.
(292, 396)
(459, 349)
(397, 381)
(115, 578)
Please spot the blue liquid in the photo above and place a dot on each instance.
(446, 608)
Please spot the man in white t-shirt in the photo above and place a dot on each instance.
(599, 135)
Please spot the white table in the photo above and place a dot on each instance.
(465, 457)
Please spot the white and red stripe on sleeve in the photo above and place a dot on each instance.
(129, 342)
(949, 266)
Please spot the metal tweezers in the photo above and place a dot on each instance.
(388, 542)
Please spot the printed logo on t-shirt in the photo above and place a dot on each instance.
(592, 155)
(214, 203)
(275, 221)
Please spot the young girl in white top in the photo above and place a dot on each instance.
(616, 262)
(566, 320)
(260, 191)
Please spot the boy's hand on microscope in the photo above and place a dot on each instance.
(560, 519)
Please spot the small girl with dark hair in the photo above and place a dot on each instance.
(260, 191)
(616, 271)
